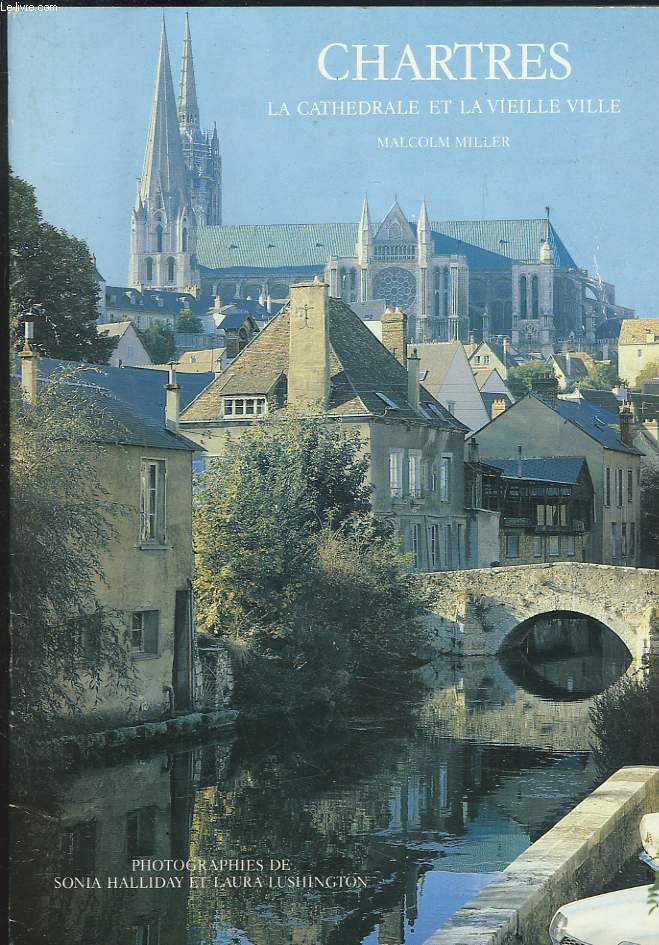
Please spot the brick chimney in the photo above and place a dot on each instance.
(626, 419)
(546, 387)
(499, 406)
(413, 373)
(29, 364)
(173, 400)
(309, 351)
(394, 332)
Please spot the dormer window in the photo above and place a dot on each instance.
(238, 407)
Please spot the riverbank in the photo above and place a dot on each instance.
(571, 861)
(182, 729)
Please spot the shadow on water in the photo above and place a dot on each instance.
(379, 829)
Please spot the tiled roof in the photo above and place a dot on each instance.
(113, 329)
(580, 363)
(646, 406)
(564, 469)
(360, 366)
(633, 331)
(135, 397)
(436, 358)
(487, 244)
(156, 300)
(597, 422)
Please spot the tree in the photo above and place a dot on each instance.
(650, 372)
(650, 515)
(158, 340)
(63, 641)
(293, 567)
(601, 376)
(520, 378)
(188, 323)
(53, 274)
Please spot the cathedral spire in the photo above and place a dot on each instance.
(364, 235)
(188, 109)
(163, 160)
(423, 226)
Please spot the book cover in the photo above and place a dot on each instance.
(335, 474)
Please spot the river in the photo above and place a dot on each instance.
(372, 834)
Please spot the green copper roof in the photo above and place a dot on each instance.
(488, 244)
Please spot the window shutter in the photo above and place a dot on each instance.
(150, 632)
(143, 501)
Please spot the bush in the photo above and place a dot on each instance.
(625, 720)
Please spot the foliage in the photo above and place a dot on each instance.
(650, 513)
(292, 566)
(53, 274)
(601, 376)
(158, 339)
(63, 641)
(188, 323)
(520, 378)
(649, 373)
(615, 716)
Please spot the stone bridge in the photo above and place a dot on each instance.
(485, 611)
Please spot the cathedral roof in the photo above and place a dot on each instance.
(487, 244)
(360, 368)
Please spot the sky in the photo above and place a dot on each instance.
(81, 81)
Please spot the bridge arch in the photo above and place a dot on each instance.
(512, 638)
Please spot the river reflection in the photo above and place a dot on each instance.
(425, 810)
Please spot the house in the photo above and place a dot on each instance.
(545, 506)
(483, 522)
(144, 465)
(638, 347)
(203, 361)
(542, 425)
(494, 392)
(238, 324)
(148, 307)
(130, 352)
(500, 355)
(570, 367)
(644, 409)
(448, 376)
(316, 357)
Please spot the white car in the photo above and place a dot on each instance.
(615, 918)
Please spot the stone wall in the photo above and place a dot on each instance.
(571, 861)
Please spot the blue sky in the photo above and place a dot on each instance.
(80, 89)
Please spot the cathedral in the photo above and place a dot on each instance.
(456, 279)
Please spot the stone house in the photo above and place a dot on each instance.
(129, 351)
(571, 367)
(542, 425)
(144, 466)
(448, 376)
(545, 506)
(638, 347)
(496, 354)
(317, 357)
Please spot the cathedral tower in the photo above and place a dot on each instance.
(163, 221)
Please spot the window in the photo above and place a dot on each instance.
(540, 514)
(537, 546)
(554, 546)
(396, 474)
(144, 632)
(146, 933)
(630, 485)
(632, 539)
(512, 546)
(486, 359)
(571, 545)
(535, 309)
(149, 270)
(460, 545)
(244, 406)
(141, 832)
(444, 478)
(386, 400)
(607, 486)
(171, 269)
(614, 540)
(416, 545)
(522, 297)
(435, 561)
(184, 240)
(450, 406)
(623, 539)
(414, 473)
(563, 513)
(159, 238)
(433, 479)
(477, 359)
(199, 462)
(152, 501)
(619, 495)
(447, 546)
(78, 848)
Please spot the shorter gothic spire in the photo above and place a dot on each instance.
(188, 109)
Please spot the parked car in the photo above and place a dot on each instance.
(615, 918)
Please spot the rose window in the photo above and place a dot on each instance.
(396, 286)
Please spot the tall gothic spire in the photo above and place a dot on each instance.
(365, 219)
(423, 226)
(364, 235)
(164, 169)
(188, 109)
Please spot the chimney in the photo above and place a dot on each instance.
(309, 350)
(474, 451)
(29, 364)
(626, 418)
(652, 429)
(217, 301)
(472, 337)
(568, 364)
(499, 406)
(268, 302)
(519, 462)
(546, 387)
(173, 401)
(413, 362)
(649, 336)
(394, 332)
(506, 345)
